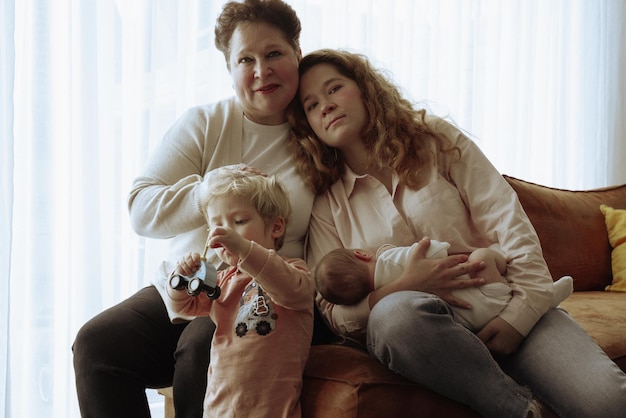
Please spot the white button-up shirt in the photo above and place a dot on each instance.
(465, 202)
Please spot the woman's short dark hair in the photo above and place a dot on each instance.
(274, 12)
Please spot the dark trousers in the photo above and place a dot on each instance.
(133, 346)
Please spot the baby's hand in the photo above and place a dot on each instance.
(189, 264)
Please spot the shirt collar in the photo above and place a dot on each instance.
(350, 179)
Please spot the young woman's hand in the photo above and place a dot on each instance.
(500, 337)
(436, 276)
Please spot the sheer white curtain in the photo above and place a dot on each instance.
(87, 89)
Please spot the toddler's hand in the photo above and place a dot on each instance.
(229, 239)
(189, 264)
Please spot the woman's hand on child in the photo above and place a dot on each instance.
(446, 274)
(436, 276)
(244, 167)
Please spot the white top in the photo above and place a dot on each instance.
(465, 202)
(163, 201)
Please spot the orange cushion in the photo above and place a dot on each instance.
(603, 316)
(571, 229)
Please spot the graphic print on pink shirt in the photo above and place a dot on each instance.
(255, 312)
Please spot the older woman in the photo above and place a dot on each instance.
(134, 345)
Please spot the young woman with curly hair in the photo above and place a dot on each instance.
(387, 173)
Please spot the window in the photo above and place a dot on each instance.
(88, 88)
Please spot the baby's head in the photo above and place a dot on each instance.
(265, 193)
(345, 276)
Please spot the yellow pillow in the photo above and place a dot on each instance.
(615, 220)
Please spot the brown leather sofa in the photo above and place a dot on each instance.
(344, 382)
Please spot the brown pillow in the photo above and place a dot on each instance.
(571, 229)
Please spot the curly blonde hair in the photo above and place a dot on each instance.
(265, 193)
(397, 134)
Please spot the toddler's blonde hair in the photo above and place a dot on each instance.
(265, 193)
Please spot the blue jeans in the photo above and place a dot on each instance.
(558, 362)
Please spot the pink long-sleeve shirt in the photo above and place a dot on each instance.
(465, 202)
(264, 319)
